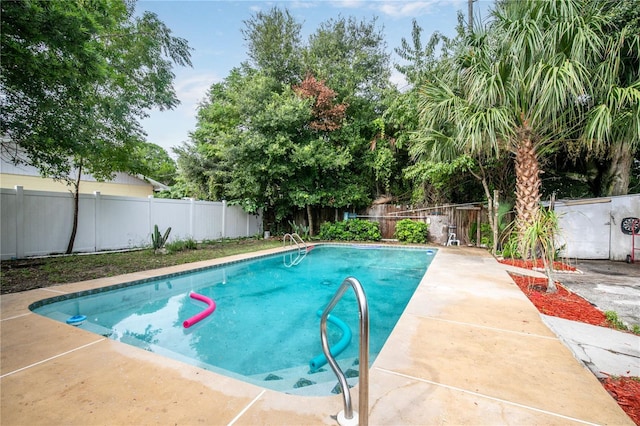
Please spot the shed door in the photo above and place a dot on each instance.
(585, 229)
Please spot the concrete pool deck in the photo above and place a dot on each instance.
(470, 348)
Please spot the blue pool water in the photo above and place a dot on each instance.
(265, 328)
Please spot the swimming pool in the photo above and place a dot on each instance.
(265, 328)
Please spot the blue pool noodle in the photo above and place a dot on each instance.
(320, 360)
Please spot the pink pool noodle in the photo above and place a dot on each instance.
(194, 319)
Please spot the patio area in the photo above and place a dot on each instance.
(469, 349)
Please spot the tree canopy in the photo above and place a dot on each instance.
(540, 89)
(76, 78)
(290, 130)
(538, 77)
(309, 125)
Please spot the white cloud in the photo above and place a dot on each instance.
(170, 128)
(351, 4)
(398, 79)
(302, 4)
(398, 8)
(193, 88)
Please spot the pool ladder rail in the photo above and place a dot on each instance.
(294, 238)
(348, 417)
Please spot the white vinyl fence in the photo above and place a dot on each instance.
(36, 223)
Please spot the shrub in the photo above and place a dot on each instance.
(510, 247)
(411, 231)
(486, 234)
(182, 245)
(302, 230)
(351, 230)
(614, 321)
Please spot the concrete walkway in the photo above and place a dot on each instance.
(469, 349)
(609, 285)
(605, 351)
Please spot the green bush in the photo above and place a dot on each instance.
(302, 230)
(351, 230)
(486, 234)
(411, 231)
(181, 245)
(614, 321)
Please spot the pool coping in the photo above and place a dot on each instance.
(469, 348)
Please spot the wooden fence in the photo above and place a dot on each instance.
(456, 218)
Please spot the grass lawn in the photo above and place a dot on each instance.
(27, 274)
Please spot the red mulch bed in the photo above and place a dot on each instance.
(530, 264)
(568, 305)
(625, 390)
(562, 304)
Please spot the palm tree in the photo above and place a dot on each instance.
(613, 119)
(518, 87)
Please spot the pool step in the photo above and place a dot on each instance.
(300, 381)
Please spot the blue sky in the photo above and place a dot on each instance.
(213, 27)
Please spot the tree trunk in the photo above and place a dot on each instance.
(548, 258)
(310, 219)
(615, 180)
(493, 208)
(527, 184)
(495, 224)
(76, 206)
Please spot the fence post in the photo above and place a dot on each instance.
(19, 222)
(224, 218)
(192, 217)
(150, 225)
(97, 237)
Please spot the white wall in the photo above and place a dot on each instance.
(35, 223)
(621, 207)
(591, 228)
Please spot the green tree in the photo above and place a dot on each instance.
(519, 88)
(613, 100)
(350, 56)
(273, 137)
(440, 173)
(244, 137)
(274, 44)
(156, 163)
(76, 78)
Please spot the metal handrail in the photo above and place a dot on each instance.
(300, 244)
(363, 397)
(295, 238)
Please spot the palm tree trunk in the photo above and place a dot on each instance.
(527, 184)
